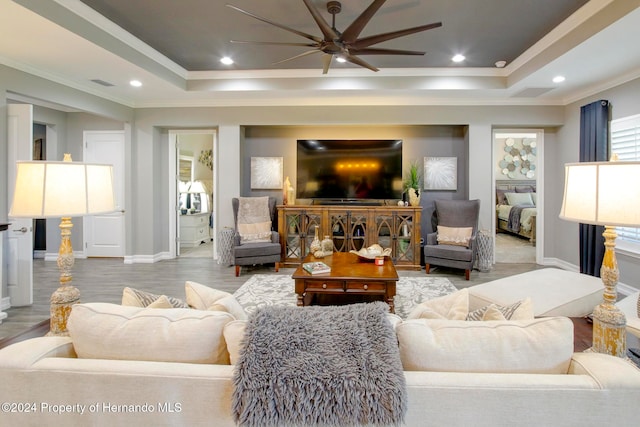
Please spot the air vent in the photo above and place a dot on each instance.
(532, 92)
(102, 83)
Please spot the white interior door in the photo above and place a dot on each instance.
(104, 234)
(20, 232)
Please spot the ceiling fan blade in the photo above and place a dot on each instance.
(380, 51)
(353, 31)
(309, 52)
(326, 62)
(357, 61)
(276, 43)
(328, 32)
(284, 27)
(368, 41)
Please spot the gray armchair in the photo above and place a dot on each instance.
(455, 214)
(252, 253)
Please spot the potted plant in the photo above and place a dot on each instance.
(413, 181)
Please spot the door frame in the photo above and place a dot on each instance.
(540, 219)
(174, 243)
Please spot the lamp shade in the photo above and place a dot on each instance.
(602, 193)
(196, 188)
(62, 189)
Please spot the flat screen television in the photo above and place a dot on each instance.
(349, 170)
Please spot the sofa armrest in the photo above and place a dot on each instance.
(275, 237)
(609, 372)
(25, 353)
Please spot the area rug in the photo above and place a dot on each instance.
(269, 289)
(326, 366)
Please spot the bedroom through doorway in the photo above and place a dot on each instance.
(518, 200)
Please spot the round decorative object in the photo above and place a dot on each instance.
(509, 142)
(326, 244)
(372, 252)
(225, 246)
(530, 174)
(315, 245)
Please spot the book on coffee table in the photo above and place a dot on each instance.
(316, 267)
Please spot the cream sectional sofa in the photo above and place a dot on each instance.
(496, 373)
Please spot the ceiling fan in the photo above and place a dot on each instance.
(345, 45)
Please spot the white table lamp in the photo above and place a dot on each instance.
(62, 190)
(605, 193)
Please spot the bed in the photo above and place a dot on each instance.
(516, 208)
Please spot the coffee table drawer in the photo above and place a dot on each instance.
(324, 285)
(354, 286)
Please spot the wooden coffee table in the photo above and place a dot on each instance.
(348, 276)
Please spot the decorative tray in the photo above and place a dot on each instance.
(372, 252)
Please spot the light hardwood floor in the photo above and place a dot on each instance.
(102, 280)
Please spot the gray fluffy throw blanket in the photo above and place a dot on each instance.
(323, 366)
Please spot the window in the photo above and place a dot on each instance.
(625, 142)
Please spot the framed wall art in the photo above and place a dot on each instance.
(266, 173)
(440, 173)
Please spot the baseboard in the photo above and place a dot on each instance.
(147, 259)
(39, 254)
(50, 256)
(5, 303)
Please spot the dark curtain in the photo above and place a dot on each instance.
(594, 147)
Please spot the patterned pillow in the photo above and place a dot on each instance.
(137, 298)
(521, 310)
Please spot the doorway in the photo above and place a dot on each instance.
(519, 199)
(193, 204)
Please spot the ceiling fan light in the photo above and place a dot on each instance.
(341, 59)
(226, 60)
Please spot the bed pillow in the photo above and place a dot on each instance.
(519, 199)
(456, 236)
(500, 197)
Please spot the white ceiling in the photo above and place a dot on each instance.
(595, 48)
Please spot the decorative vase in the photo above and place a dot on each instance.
(414, 197)
(327, 244)
(285, 191)
(315, 244)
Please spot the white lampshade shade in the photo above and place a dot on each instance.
(602, 193)
(62, 189)
(197, 187)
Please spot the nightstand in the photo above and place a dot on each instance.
(194, 229)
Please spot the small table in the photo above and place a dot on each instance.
(348, 276)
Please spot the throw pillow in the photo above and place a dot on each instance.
(233, 336)
(454, 306)
(457, 236)
(539, 346)
(519, 199)
(162, 302)
(254, 219)
(111, 331)
(137, 298)
(520, 310)
(202, 297)
(229, 304)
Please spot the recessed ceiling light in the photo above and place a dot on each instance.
(458, 58)
(558, 79)
(340, 59)
(226, 60)
(135, 83)
(501, 64)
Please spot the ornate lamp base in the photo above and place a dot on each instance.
(609, 333)
(66, 295)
